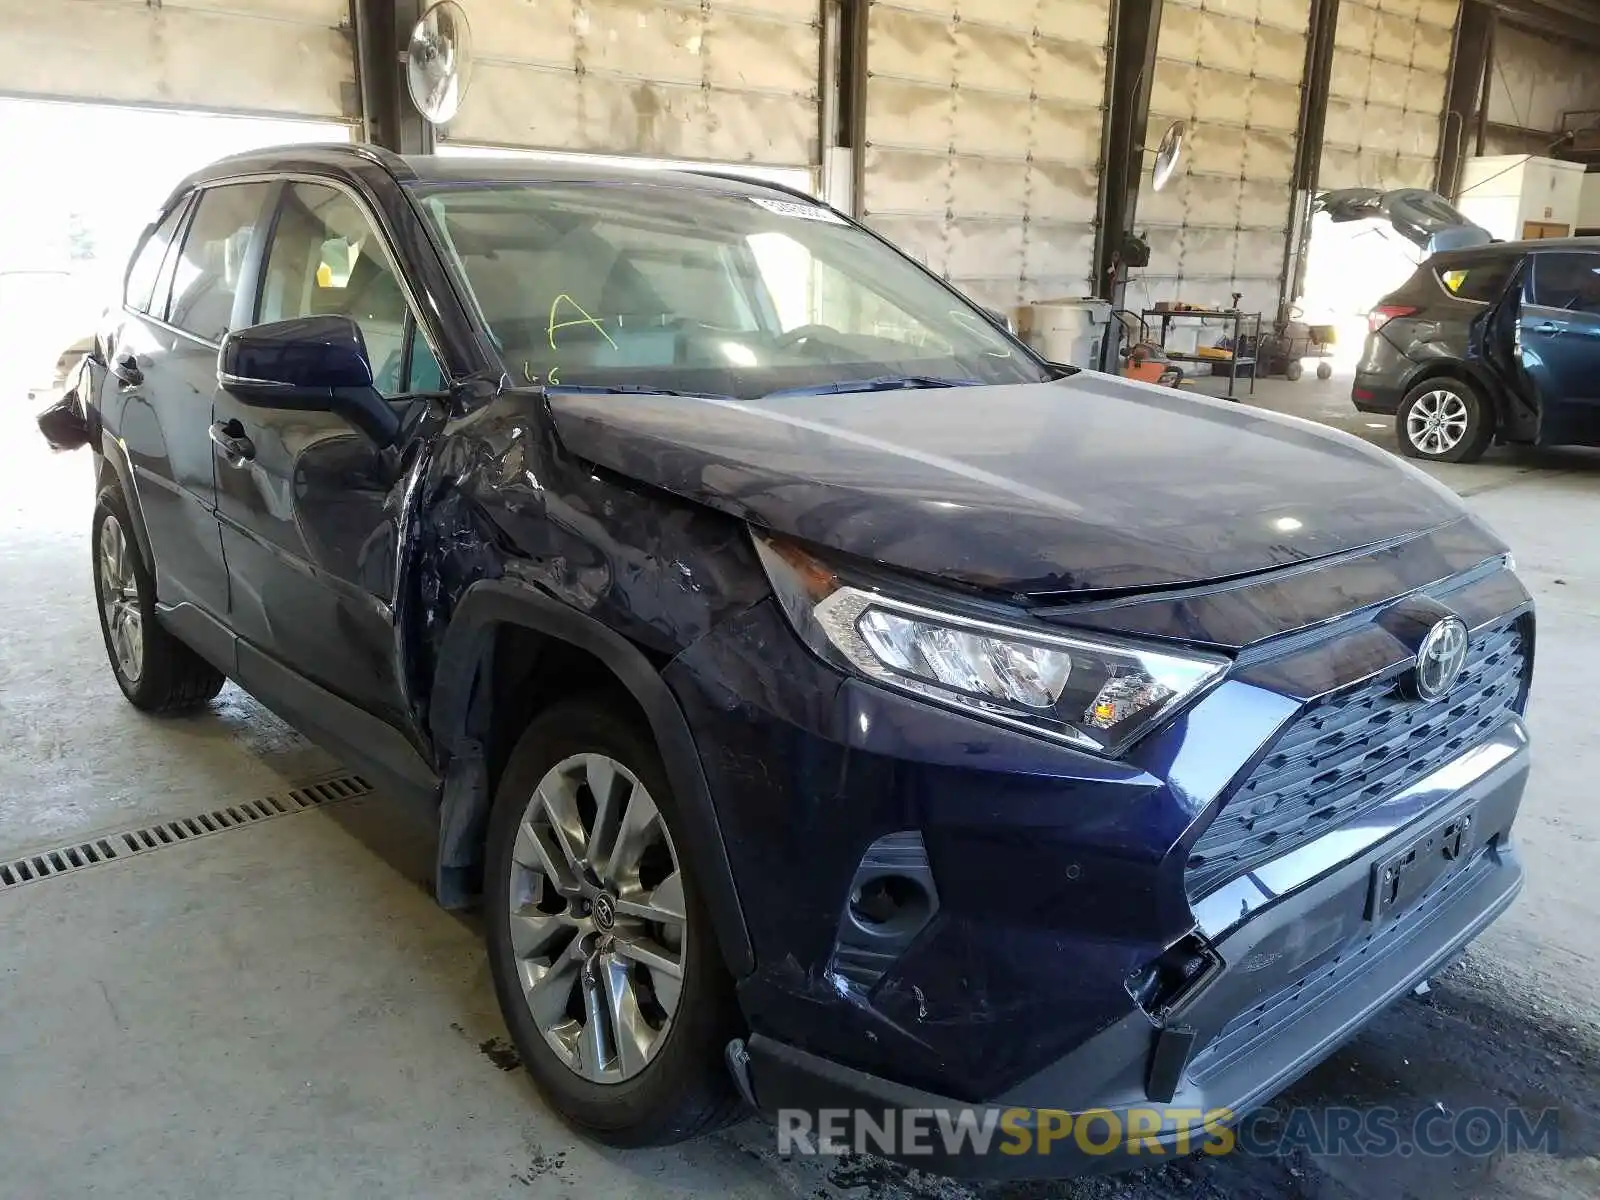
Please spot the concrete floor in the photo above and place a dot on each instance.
(283, 1011)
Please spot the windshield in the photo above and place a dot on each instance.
(630, 286)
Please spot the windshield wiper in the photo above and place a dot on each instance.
(631, 389)
(880, 383)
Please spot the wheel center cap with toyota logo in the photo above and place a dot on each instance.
(1440, 658)
(604, 909)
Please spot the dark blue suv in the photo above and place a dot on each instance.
(830, 703)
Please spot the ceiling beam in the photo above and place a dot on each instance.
(1567, 19)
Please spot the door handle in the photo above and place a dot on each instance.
(1547, 328)
(230, 439)
(126, 368)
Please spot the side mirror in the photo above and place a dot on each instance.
(307, 364)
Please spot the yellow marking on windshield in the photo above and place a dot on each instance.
(585, 319)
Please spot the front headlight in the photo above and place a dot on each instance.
(1095, 693)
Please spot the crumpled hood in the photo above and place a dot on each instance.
(1089, 483)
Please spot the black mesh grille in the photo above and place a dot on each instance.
(1347, 754)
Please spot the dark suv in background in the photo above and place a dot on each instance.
(1498, 342)
(830, 703)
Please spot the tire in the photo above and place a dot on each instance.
(156, 672)
(1324, 371)
(682, 1089)
(1444, 420)
(1293, 371)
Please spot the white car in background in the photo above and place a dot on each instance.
(48, 319)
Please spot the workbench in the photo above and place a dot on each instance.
(1239, 321)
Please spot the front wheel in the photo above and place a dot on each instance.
(600, 945)
(1444, 420)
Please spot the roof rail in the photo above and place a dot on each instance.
(735, 177)
(386, 158)
(378, 155)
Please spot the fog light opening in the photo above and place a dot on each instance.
(890, 905)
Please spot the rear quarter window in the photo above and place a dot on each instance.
(1480, 281)
(146, 264)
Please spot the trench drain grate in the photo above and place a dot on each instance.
(47, 864)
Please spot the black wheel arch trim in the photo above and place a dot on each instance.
(112, 452)
(490, 603)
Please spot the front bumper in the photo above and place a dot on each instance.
(1307, 966)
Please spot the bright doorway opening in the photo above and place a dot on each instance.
(83, 182)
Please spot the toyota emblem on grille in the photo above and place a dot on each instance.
(1440, 659)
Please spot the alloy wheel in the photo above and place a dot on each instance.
(597, 926)
(119, 599)
(1437, 421)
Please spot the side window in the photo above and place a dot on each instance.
(206, 277)
(146, 263)
(1567, 280)
(423, 373)
(1482, 281)
(326, 259)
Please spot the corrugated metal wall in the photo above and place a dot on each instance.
(1232, 68)
(722, 80)
(983, 140)
(1537, 79)
(287, 57)
(1390, 63)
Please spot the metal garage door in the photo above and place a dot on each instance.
(983, 138)
(1232, 69)
(1390, 62)
(287, 57)
(723, 80)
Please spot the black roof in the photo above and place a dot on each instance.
(1516, 249)
(433, 168)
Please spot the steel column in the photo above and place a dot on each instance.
(1314, 85)
(850, 131)
(388, 118)
(1135, 27)
(1469, 59)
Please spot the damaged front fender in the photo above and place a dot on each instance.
(513, 531)
(67, 423)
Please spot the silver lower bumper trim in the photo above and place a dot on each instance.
(1221, 910)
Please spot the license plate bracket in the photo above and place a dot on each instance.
(1404, 875)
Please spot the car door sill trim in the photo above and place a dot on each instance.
(201, 632)
(361, 739)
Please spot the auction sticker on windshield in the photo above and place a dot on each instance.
(791, 208)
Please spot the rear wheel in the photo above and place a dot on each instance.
(600, 945)
(1444, 420)
(155, 671)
